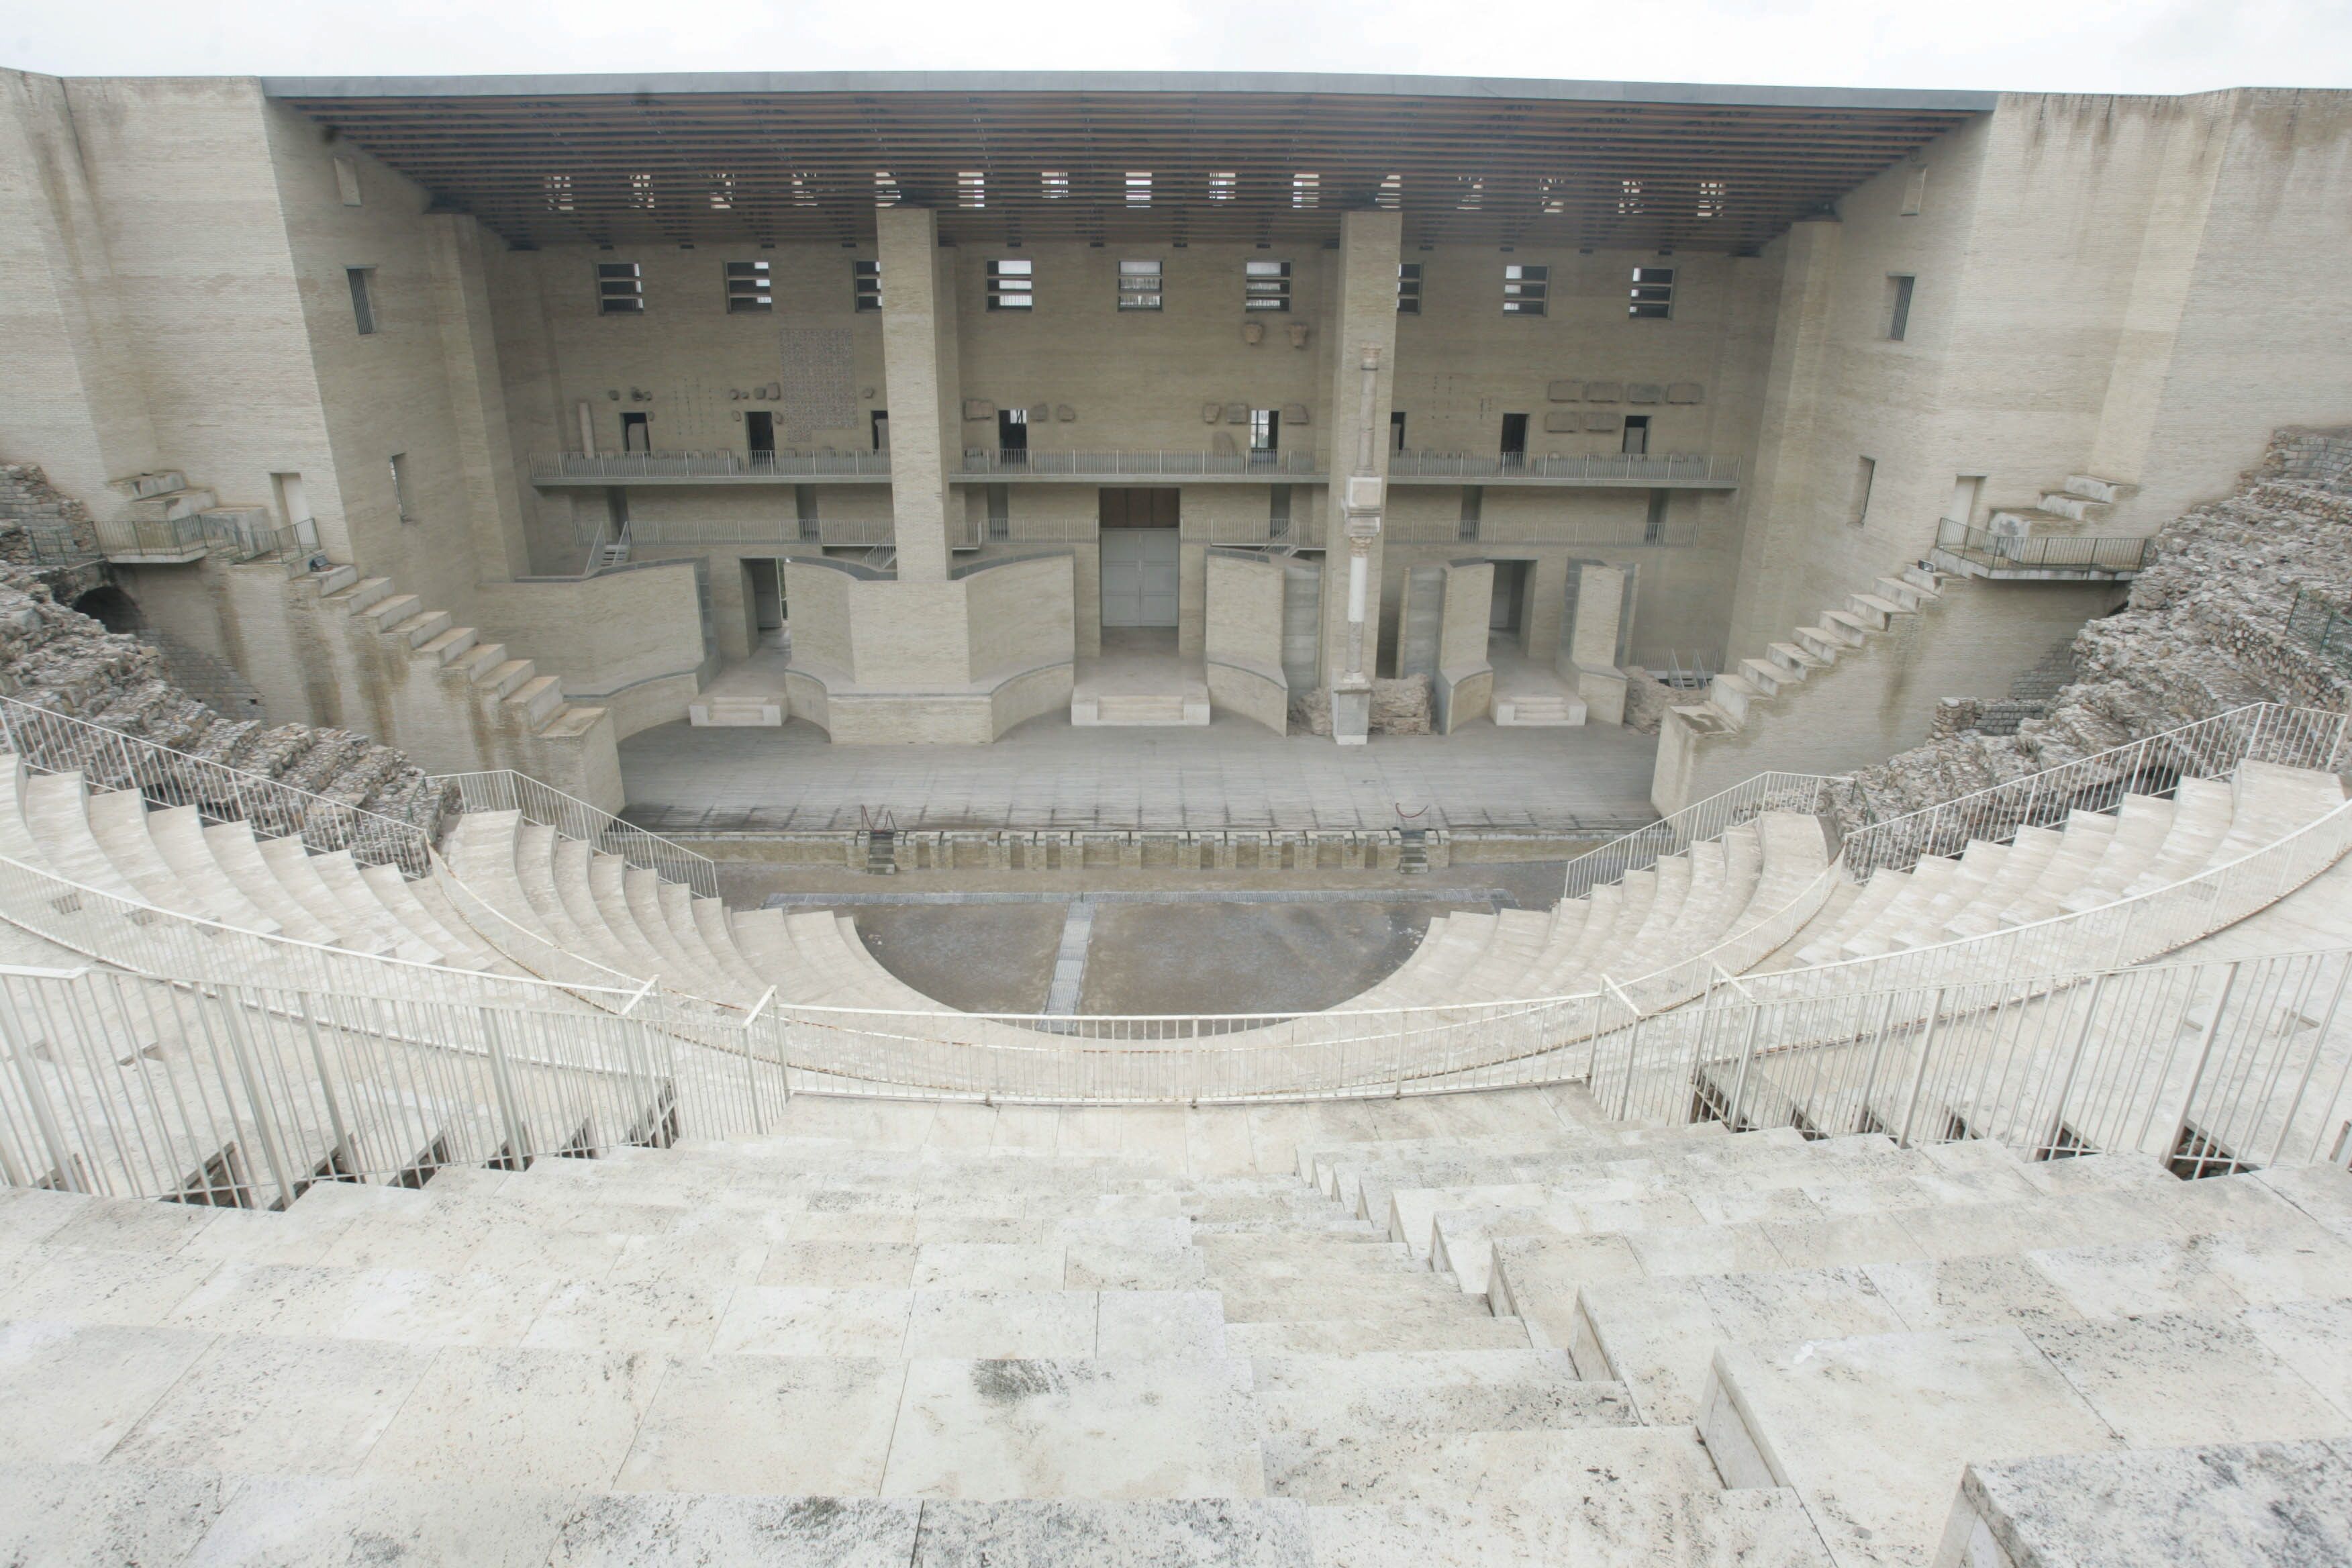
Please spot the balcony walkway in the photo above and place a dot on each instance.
(1228, 775)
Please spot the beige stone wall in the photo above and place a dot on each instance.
(1243, 639)
(1878, 699)
(819, 597)
(1019, 615)
(630, 638)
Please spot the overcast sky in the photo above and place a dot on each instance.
(2085, 46)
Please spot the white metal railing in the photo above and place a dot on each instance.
(2206, 748)
(57, 742)
(1016, 465)
(1666, 468)
(245, 1094)
(506, 790)
(2216, 1065)
(619, 468)
(1703, 820)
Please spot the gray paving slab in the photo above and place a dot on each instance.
(1230, 775)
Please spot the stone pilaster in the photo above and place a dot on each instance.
(1358, 324)
(919, 361)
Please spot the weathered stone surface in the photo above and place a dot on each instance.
(58, 658)
(2206, 1507)
(2205, 631)
(1400, 707)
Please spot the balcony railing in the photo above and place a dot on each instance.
(1603, 468)
(620, 468)
(1274, 466)
(1999, 553)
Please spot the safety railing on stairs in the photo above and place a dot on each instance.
(53, 743)
(1707, 819)
(245, 1095)
(506, 790)
(2214, 1066)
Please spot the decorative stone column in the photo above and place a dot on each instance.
(920, 373)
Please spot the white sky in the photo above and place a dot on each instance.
(2081, 46)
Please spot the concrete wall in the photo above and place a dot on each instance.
(1241, 640)
(1019, 615)
(1464, 687)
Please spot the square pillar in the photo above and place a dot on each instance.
(1359, 323)
(1588, 659)
(920, 375)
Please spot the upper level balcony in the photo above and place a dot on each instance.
(2043, 558)
(1604, 470)
(568, 468)
(1013, 466)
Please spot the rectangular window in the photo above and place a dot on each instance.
(347, 181)
(1277, 512)
(1473, 501)
(748, 288)
(1138, 284)
(1011, 285)
(1396, 430)
(1000, 511)
(1636, 440)
(760, 433)
(1266, 286)
(402, 499)
(1652, 296)
(620, 288)
(1898, 307)
(1866, 474)
(636, 432)
(1408, 287)
(362, 281)
(1524, 289)
(1265, 431)
(1914, 192)
(865, 280)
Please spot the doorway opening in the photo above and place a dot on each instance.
(1142, 549)
(636, 432)
(763, 585)
(1515, 440)
(1637, 435)
(760, 433)
(878, 424)
(1507, 613)
(1013, 435)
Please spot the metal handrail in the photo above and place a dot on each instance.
(2041, 552)
(625, 465)
(1015, 463)
(1623, 466)
(49, 743)
(503, 789)
(1707, 819)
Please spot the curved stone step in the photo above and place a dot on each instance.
(237, 853)
(178, 835)
(56, 810)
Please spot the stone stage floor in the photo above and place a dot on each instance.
(1230, 775)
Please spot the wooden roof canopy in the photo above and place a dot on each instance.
(1133, 158)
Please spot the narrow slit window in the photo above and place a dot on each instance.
(1474, 503)
(1408, 287)
(1266, 286)
(403, 501)
(1865, 475)
(865, 283)
(1898, 307)
(1011, 285)
(1654, 527)
(1524, 288)
(1653, 295)
(620, 288)
(1000, 511)
(362, 282)
(1277, 514)
(749, 287)
(1138, 284)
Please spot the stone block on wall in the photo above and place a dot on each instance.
(1644, 392)
(979, 408)
(1560, 421)
(1685, 392)
(1601, 422)
(1564, 391)
(1602, 392)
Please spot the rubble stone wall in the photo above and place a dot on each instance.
(2204, 630)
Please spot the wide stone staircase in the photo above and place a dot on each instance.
(1056, 1339)
(1856, 1322)
(811, 1350)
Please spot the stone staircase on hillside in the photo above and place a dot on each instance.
(1743, 697)
(511, 690)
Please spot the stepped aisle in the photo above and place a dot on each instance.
(814, 1351)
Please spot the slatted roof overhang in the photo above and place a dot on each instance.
(1129, 157)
